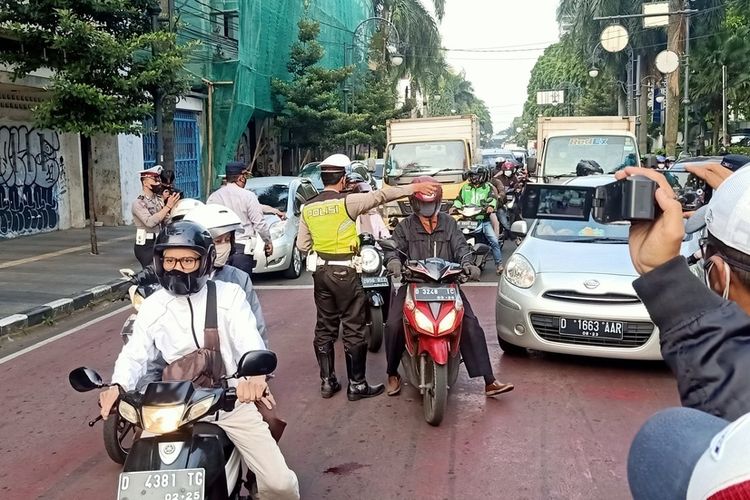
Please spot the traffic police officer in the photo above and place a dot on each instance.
(328, 227)
(150, 214)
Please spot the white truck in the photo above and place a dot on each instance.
(564, 142)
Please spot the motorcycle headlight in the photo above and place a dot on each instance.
(137, 300)
(423, 321)
(519, 272)
(370, 259)
(277, 229)
(162, 419)
(128, 412)
(447, 322)
(199, 409)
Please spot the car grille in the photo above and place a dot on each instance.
(405, 206)
(548, 328)
(605, 298)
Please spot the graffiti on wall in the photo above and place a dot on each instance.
(32, 180)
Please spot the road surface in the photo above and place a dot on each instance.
(562, 434)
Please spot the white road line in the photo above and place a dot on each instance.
(43, 343)
(58, 253)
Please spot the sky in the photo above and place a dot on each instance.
(519, 29)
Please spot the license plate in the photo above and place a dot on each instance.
(435, 294)
(179, 484)
(576, 327)
(467, 224)
(374, 281)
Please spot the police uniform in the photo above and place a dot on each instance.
(149, 218)
(328, 227)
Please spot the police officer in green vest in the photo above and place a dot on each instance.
(328, 228)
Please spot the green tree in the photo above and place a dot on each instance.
(309, 105)
(104, 72)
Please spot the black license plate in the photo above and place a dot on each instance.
(435, 294)
(468, 224)
(374, 281)
(182, 484)
(576, 327)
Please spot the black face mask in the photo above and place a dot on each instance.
(180, 283)
(427, 209)
(157, 188)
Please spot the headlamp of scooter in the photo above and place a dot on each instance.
(162, 419)
(423, 322)
(448, 322)
(371, 260)
(199, 409)
(128, 412)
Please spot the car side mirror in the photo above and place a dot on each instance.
(531, 164)
(85, 379)
(298, 202)
(481, 249)
(520, 227)
(254, 363)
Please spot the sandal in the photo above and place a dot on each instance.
(393, 388)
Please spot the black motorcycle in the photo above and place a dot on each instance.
(378, 288)
(185, 459)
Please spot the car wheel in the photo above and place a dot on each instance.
(511, 349)
(295, 266)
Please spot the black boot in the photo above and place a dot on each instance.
(329, 385)
(356, 359)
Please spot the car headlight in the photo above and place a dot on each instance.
(519, 272)
(128, 412)
(162, 419)
(423, 321)
(371, 260)
(199, 409)
(447, 322)
(277, 229)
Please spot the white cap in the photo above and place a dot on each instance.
(724, 468)
(218, 219)
(727, 215)
(336, 161)
(184, 206)
(155, 170)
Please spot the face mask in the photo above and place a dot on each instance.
(507, 173)
(222, 254)
(427, 209)
(157, 188)
(727, 279)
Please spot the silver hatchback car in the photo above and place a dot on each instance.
(568, 289)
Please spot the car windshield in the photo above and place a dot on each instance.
(581, 231)
(276, 196)
(611, 152)
(425, 158)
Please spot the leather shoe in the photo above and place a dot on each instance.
(496, 388)
(394, 385)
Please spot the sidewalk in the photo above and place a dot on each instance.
(45, 274)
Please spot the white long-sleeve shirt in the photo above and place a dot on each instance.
(245, 204)
(163, 326)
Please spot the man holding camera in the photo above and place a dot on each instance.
(700, 451)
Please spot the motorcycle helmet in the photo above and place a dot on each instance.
(352, 180)
(184, 234)
(478, 174)
(588, 167)
(425, 205)
(508, 168)
(183, 207)
(218, 219)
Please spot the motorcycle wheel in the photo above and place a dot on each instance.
(435, 398)
(119, 435)
(377, 326)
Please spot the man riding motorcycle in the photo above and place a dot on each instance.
(479, 192)
(170, 323)
(424, 234)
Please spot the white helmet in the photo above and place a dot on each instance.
(183, 207)
(218, 219)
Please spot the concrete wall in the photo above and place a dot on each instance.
(41, 184)
(130, 148)
(117, 161)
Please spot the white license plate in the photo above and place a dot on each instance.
(468, 224)
(577, 327)
(178, 484)
(374, 281)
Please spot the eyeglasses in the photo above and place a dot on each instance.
(186, 263)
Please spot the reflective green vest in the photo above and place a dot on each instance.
(333, 231)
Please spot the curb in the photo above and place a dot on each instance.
(40, 314)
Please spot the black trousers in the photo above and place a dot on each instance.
(240, 260)
(473, 343)
(144, 253)
(339, 299)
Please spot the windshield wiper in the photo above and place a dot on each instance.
(599, 239)
(559, 176)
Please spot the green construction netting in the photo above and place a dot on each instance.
(264, 31)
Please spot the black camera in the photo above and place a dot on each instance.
(629, 199)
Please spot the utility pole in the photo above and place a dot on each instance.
(168, 104)
(155, 12)
(724, 134)
(686, 100)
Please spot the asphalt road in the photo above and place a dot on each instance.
(562, 434)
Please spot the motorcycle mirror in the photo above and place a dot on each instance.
(85, 379)
(254, 363)
(481, 249)
(127, 273)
